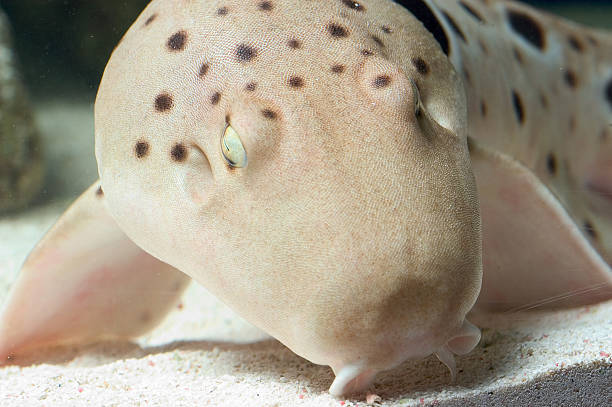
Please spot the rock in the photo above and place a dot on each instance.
(21, 159)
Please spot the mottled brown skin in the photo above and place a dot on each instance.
(546, 87)
(539, 93)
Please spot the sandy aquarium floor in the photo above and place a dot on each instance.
(204, 354)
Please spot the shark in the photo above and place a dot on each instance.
(353, 177)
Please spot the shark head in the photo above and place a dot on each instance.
(310, 172)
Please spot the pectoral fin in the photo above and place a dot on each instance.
(86, 281)
(534, 254)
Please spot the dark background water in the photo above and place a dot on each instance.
(63, 45)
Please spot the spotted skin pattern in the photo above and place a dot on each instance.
(556, 77)
(353, 177)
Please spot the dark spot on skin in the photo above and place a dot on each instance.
(528, 28)
(575, 43)
(141, 149)
(592, 40)
(222, 11)
(454, 26)
(366, 52)
(296, 82)
(570, 79)
(203, 70)
(381, 81)
(423, 13)
(99, 192)
(245, 53)
(471, 11)
(178, 153)
(250, 87)
(378, 41)
(483, 108)
(338, 68)
(266, 6)
(163, 102)
(177, 41)
(215, 98)
(294, 44)
(551, 164)
(420, 65)
(355, 5)
(519, 110)
(337, 31)
(590, 229)
(269, 114)
(150, 19)
(386, 29)
(608, 92)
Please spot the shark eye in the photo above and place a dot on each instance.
(232, 149)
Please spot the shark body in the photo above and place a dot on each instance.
(539, 91)
(323, 168)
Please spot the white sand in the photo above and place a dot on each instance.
(203, 354)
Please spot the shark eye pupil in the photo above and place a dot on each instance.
(232, 149)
